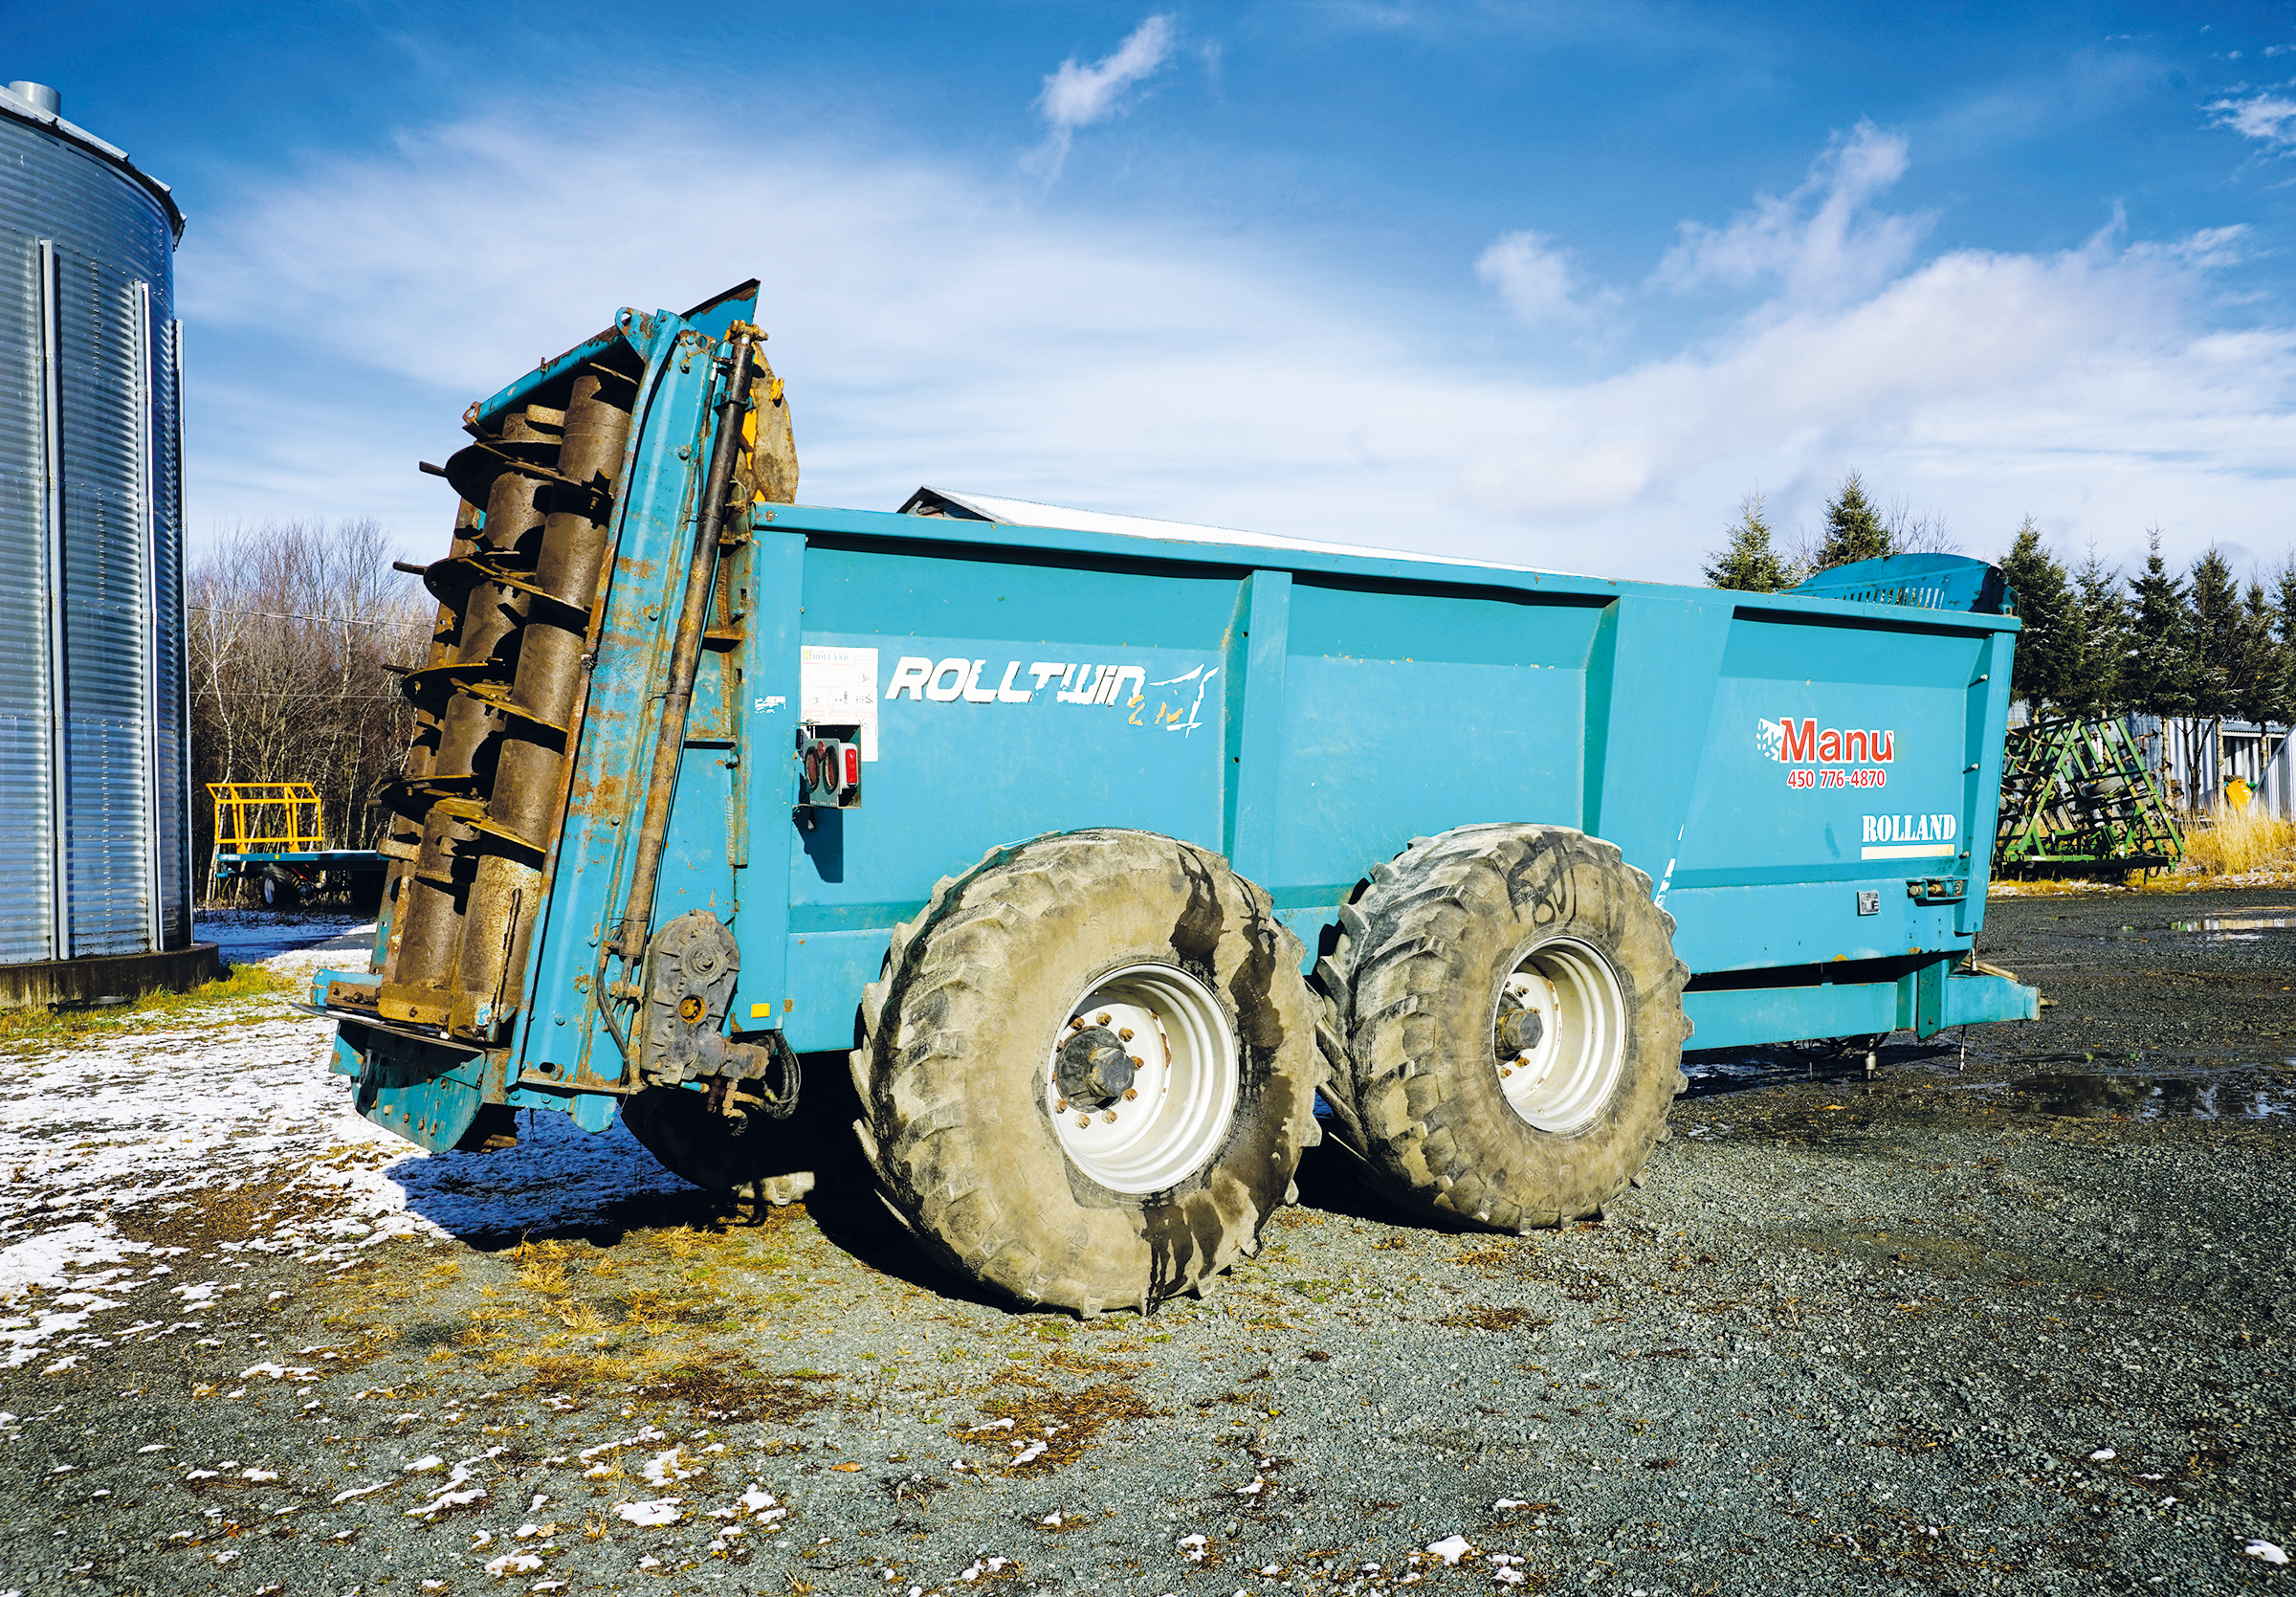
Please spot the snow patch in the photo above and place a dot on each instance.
(665, 1469)
(661, 1511)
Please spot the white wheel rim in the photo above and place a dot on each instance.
(1184, 1086)
(1561, 1082)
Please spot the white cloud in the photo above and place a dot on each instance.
(1154, 364)
(1820, 242)
(1079, 95)
(1814, 387)
(2266, 118)
(2209, 247)
(1537, 280)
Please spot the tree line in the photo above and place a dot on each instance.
(1855, 528)
(2196, 644)
(2193, 644)
(292, 631)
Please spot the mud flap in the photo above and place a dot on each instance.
(425, 1093)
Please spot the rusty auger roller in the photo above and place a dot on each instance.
(475, 813)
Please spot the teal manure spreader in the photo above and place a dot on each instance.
(1097, 848)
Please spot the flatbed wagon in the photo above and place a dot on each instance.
(269, 834)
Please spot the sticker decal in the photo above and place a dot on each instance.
(840, 685)
(1803, 743)
(1909, 837)
(1827, 755)
(1178, 721)
(969, 681)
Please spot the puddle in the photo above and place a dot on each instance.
(1740, 1070)
(2235, 928)
(2154, 1098)
(2242, 1092)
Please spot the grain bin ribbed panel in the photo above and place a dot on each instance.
(93, 768)
(28, 912)
(171, 733)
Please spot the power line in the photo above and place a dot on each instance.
(291, 615)
(333, 698)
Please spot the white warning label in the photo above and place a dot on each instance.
(840, 685)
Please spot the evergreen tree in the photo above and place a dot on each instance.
(2261, 676)
(2284, 634)
(2215, 635)
(1853, 528)
(2156, 656)
(2096, 640)
(1747, 561)
(2039, 675)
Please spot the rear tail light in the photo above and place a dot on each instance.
(829, 765)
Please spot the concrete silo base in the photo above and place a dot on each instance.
(84, 981)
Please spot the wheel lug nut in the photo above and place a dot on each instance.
(1131, 1093)
(1137, 1063)
(1084, 1119)
(1124, 1033)
(1062, 1107)
(1109, 1116)
(1101, 1019)
(1076, 1023)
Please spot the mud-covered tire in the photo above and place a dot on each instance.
(694, 1144)
(1412, 989)
(954, 1068)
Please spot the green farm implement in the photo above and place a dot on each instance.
(2075, 797)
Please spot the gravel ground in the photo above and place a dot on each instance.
(2011, 1323)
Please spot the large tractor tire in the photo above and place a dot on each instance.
(1505, 1011)
(1088, 1070)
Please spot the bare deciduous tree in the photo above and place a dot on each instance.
(292, 627)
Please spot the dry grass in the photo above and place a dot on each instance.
(569, 1371)
(1488, 1317)
(582, 1319)
(542, 1266)
(683, 1243)
(25, 1028)
(1083, 1363)
(1065, 1418)
(2236, 841)
(2058, 887)
(205, 1217)
(731, 1388)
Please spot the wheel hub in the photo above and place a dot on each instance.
(1520, 1029)
(1559, 1035)
(1141, 1082)
(1094, 1067)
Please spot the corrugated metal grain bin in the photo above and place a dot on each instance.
(93, 790)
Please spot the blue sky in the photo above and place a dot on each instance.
(1541, 282)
